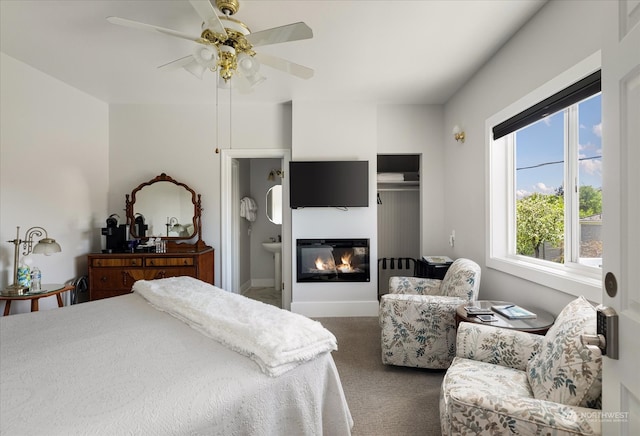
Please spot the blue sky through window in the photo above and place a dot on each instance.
(540, 151)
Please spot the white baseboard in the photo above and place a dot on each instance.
(262, 283)
(319, 309)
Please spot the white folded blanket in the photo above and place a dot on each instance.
(277, 340)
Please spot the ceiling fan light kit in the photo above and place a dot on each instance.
(226, 45)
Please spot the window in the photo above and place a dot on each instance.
(545, 185)
(558, 186)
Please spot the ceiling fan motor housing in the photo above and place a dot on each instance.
(228, 7)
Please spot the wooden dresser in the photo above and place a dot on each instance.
(114, 274)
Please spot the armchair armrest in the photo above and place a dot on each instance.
(510, 348)
(414, 286)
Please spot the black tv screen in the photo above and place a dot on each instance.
(329, 184)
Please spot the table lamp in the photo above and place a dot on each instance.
(44, 246)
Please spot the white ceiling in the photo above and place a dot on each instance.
(370, 51)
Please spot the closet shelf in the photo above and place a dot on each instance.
(413, 185)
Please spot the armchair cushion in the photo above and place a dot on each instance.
(510, 348)
(566, 371)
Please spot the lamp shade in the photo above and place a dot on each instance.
(47, 246)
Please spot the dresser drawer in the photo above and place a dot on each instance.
(112, 274)
(169, 261)
(116, 262)
(109, 279)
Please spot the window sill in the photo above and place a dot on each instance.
(570, 281)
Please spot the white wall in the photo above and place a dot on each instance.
(417, 129)
(558, 37)
(54, 144)
(335, 131)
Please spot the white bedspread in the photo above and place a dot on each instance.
(277, 340)
(118, 366)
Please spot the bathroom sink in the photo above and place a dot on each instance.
(273, 247)
(276, 249)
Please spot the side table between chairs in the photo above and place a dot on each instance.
(538, 325)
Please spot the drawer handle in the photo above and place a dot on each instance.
(151, 262)
(103, 279)
(185, 262)
(98, 263)
(133, 263)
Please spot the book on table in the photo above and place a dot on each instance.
(513, 311)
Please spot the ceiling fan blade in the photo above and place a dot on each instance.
(178, 63)
(284, 65)
(151, 28)
(207, 12)
(290, 32)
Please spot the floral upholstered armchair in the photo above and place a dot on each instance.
(417, 317)
(510, 382)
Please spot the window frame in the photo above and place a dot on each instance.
(572, 278)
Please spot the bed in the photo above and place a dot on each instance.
(124, 365)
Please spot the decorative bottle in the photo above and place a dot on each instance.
(24, 275)
(36, 279)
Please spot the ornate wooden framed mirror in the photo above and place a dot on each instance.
(166, 208)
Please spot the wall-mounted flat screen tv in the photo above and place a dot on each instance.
(329, 184)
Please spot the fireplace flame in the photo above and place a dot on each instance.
(324, 264)
(345, 266)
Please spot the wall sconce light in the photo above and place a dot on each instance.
(458, 133)
(273, 173)
(44, 246)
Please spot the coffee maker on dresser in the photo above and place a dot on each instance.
(116, 235)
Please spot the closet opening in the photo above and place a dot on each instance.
(399, 205)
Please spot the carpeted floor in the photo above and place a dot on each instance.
(384, 400)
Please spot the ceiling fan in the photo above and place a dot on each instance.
(226, 45)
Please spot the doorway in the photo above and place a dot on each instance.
(241, 238)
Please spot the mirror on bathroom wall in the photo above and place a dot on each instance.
(274, 204)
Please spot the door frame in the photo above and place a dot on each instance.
(621, 234)
(229, 253)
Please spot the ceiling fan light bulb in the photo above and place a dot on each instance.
(206, 56)
(248, 64)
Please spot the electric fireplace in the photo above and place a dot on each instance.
(332, 260)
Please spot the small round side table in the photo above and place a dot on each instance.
(47, 291)
(538, 325)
